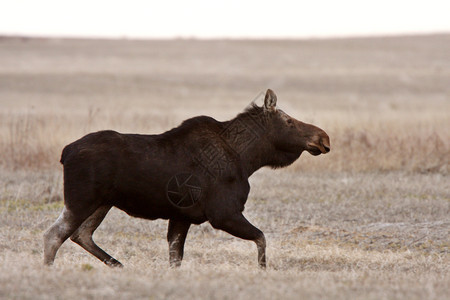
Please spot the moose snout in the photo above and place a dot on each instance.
(321, 145)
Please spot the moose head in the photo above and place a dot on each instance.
(291, 135)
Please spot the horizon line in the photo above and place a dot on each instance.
(224, 37)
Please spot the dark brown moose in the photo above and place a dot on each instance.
(193, 173)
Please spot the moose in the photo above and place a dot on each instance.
(191, 174)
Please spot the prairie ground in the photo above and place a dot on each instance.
(369, 220)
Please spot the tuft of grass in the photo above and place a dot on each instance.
(86, 267)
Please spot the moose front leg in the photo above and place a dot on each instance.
(237, 225)
(176, 236)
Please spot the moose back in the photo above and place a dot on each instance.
(193, 173)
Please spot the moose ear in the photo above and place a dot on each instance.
(270, 101)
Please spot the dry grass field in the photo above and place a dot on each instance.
(369, 220)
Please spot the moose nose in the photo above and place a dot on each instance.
(325, 143)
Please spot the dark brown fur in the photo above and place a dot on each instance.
(206, 161)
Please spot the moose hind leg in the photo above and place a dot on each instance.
(55, 236)
(83, 236)
(176, 236)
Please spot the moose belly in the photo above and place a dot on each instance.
(158, 206)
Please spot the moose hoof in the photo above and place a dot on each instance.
(113, 263)
(175, 264)
(48, 264)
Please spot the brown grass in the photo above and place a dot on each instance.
(370, 220)
(359, 236)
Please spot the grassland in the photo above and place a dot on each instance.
(370, 220)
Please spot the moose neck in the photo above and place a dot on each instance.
(247, 135)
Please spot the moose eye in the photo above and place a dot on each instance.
(289, 121)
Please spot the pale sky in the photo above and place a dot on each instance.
(222, 19)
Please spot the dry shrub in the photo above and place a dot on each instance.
(23, 147)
